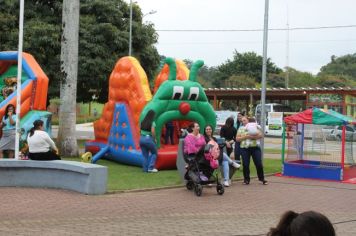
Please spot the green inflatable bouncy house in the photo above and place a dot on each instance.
(180, 100)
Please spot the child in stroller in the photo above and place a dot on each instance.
(201, 168)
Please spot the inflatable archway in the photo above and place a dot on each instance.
(180, 100)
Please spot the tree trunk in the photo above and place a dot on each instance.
(67, 141)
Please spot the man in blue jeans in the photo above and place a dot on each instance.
(147, 142)
(149, 152)
(250, 149)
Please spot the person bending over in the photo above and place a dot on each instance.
(148, 143)
(41, 146)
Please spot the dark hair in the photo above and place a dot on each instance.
(309, 223)
(229, 122)
(251, 119)
(207, 139)
(191, 126)
(36, 125)
(7, 110)
(146, 123)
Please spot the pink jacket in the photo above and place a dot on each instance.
(193, 144)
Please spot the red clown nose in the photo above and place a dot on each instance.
(184, 108)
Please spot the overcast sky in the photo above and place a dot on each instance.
(308, 49)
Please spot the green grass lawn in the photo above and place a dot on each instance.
(124, 177)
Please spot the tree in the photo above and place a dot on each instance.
(299, 78)
(342, 69)
(68, 86)
(240, 81)
(103, 39)
(248, 64)
(332, 81)
(276, 81)
(343, 66)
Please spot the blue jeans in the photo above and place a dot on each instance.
(237, 151)
(226, 162)
(149, 152)
(255, 152)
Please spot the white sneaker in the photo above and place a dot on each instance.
(153, 171)
(226, 183)
(236, 165)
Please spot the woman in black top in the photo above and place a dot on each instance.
(228, 131)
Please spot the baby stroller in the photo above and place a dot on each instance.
(199, 173)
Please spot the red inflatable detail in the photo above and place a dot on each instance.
(167, 157)
(184, 108)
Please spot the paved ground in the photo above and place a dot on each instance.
(242, 210)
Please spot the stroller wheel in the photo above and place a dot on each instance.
(198, 189)
(189, 185)
(220, 189)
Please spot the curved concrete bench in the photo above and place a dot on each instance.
(77, 176)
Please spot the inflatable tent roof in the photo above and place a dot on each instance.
(319, 117)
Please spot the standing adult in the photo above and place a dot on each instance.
(228, 131)
(8, 125)
(237, 150)
(169, 132)
(41, 146)
(147, 142)
(226, 161)
(250, 149)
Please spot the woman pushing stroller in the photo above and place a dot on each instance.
(200, 162)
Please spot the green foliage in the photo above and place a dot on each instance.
(332, 81)
(343, 66)
(83, 115)
(341, 71)
(103, 39)
(299, 78)
(248, 64)
(276, 81)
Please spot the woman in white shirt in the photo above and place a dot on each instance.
(41, 146)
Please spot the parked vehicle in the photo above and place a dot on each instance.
(336, 133)
(328, 132)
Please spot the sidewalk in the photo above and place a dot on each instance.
(83, 131)
(242, 210)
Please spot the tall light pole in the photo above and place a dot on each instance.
(287, 50)
(130, 33)
(19, 73)
(264, 75)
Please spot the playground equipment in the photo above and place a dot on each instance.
(312, 153)
(34, 87)
(117, 132)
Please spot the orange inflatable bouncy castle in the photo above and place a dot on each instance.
(117, 131)
(34, 87)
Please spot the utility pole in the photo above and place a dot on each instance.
(264, 75)
(19, 74)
